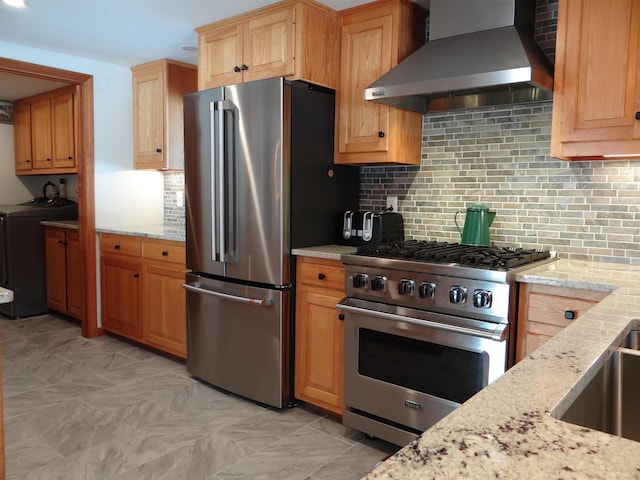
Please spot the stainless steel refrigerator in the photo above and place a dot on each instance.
(259, 180)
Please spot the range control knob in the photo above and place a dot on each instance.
(406, 287)
(482, 298)
(360, 280)
(458, 294)
(427, 290)
(379, 283)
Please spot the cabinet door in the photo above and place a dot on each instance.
(365, 56)
(319, 368)
(41, 134)
(164, 308)
(75, 274)
(597, 89)
(268, 47)
(22, 136)
(63, 131)
(220, 56)
(149, 119)
(121, 294)
(56, 272)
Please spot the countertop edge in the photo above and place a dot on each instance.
(159, 232)
(329, 252)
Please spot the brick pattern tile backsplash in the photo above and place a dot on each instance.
(499, 157)
(173, 214)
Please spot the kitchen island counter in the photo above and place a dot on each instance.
(506, 430)
(161, 232)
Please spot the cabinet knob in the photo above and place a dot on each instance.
(48, 159)
(61, 242)
(158, 150)
(236, 69)
(637, 115)
(570, 315)
(136, 275)
(70, 158)
(341, 316)
(28, 161)
(117, 247)
(244, 67)
(381, 134)
(165, 253)
(321, 276)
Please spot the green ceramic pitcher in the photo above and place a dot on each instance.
(477, 221)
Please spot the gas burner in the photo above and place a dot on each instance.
(493, 258)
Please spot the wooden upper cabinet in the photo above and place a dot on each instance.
(45, 133)
(292, 39)
(596, 102)
(22, 136)
(158, 136)
(375, 38)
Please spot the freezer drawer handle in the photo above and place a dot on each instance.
(250, 301)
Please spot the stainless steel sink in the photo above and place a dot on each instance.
(611, 400)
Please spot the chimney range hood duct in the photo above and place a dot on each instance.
(480, 53)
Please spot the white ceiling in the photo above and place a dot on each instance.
(124, 32)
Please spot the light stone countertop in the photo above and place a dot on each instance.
(506, 430)
(70, 224)
(6, 295)
(161, 232)
(329, 252)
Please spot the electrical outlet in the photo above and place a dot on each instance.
(180, 198)
(392, 203)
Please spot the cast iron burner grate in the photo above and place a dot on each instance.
(495, 258)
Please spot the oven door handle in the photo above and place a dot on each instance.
(498, 334)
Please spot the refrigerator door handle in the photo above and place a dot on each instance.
(214, 161)
(265, 302)
(221, 179)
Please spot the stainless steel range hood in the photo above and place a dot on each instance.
(480, 53)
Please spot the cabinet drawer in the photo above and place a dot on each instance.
(167, 252)
(329, 275)
(551, 310)
(120, 244)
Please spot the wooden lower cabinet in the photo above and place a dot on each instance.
(319, 343)
(545, 310)
(65, 285)
(142, 294)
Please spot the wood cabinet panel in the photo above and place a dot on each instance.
(375, 37)
(319, 362)
(158, 125)
(45, 133)
(142, 294)
(22, 136)
(296, 39)
(164, 308)
(597, 80)
(543, 311)
(64, 271)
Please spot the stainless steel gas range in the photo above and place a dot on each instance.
(427, 326)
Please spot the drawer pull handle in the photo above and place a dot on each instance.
(117, 247)
(570, 315)
(136, 275)
(321, 276)
(637, 115)
(165, 253)
(341, 316)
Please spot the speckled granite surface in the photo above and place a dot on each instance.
(6, 296)
(506, 430)
(71, 224)
(330, 252)
(162, 232)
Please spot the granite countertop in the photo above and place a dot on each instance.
(70, 224)
(6, 296)
(162, 232)
(506, 430)
(330, 252)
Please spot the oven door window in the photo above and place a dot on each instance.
(439, 370)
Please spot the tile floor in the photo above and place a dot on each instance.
(102, 408)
